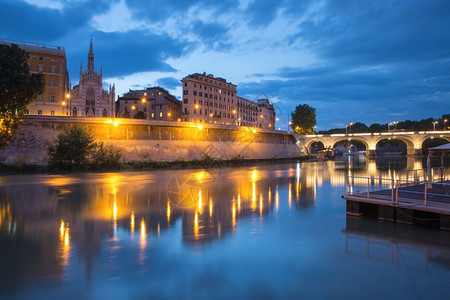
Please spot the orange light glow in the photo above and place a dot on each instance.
(132, 222)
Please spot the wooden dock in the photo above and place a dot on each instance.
(400, 200)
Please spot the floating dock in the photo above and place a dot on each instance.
(400, 200)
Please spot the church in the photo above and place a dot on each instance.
(88, 98)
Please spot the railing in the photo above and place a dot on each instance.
(437, 174)
(426, 193)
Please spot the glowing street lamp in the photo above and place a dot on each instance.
(133, 107)
(196, 106)
(434, 125)
(68, 100)
(348, 128)
(445, 121)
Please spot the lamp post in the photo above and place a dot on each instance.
(314, 129)
(434, 125)
(63, 106)
(70, 103)
(445, 121)
(348, 128)
(395, 124)
(389, 124)
(289, 124)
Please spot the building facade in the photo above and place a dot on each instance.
(266, 118)
(208, 99)
(247, 112)
(50, 61)
(88, 98)
(153, 103)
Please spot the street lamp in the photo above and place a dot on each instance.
(63, 105)
(389, 124)
(348, 128)
(70, 103)
(289, 124)
(434, 125)
(395, 124)
(314, 129)
(445, 121)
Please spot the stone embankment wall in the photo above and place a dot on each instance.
(146, 140)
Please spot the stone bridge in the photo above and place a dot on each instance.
(413, 140)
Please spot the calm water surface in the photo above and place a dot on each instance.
(274, 231)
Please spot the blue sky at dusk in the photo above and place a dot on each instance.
(368, 61)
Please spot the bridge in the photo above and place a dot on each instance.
(413, 140)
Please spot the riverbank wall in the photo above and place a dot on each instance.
(141, 140)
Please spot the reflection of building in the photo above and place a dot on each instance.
(208, 99)
(50, 61)
(88, 98)
(153, 103)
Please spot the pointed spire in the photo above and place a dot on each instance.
(91, 58)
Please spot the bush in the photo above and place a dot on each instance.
(76, 149)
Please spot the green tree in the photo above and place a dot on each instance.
(76, 149)
(303, 119)
(17, 88)
(72, 149)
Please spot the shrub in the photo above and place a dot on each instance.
(76, 149)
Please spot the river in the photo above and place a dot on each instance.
(255, 232)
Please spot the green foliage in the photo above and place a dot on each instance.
(140, 115)
(17, 88)
(303, 119)
(407, 125)
(76, 149)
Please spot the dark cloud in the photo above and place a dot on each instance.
(160, 10)
(22, 21)
(213, 35)
(127, 53)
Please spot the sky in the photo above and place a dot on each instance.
(354, 61)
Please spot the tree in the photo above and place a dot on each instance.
(76, 149)
(17, 88)
(303, 119)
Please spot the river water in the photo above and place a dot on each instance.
(259, 232)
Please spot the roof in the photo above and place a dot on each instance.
(445, 147)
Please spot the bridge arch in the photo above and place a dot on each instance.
(409, 142)
(353, 138)
(433, 141)
(309, 143)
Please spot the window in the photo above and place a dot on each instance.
(206, 95)
(185, 92)
(194, 93)
(41, 68)
(185, 84)
(27, 111)
(195, 85)
(53, 69)
(52, 98)
(52, 112)
(40, 112)
(153, 115)
(52, 82)
(200, 94)
(160, 114)
(41, 58)
(185, 101)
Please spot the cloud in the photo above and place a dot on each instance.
(170, 83)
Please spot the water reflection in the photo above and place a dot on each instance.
(63, 218)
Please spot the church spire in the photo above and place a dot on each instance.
(91, 58)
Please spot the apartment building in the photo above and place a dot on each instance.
(247, 112)
(208, 99)
(50, 61)
(153, 103)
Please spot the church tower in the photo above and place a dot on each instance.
(89, 99)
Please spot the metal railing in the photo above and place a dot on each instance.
(437, 174)
(425, 193)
